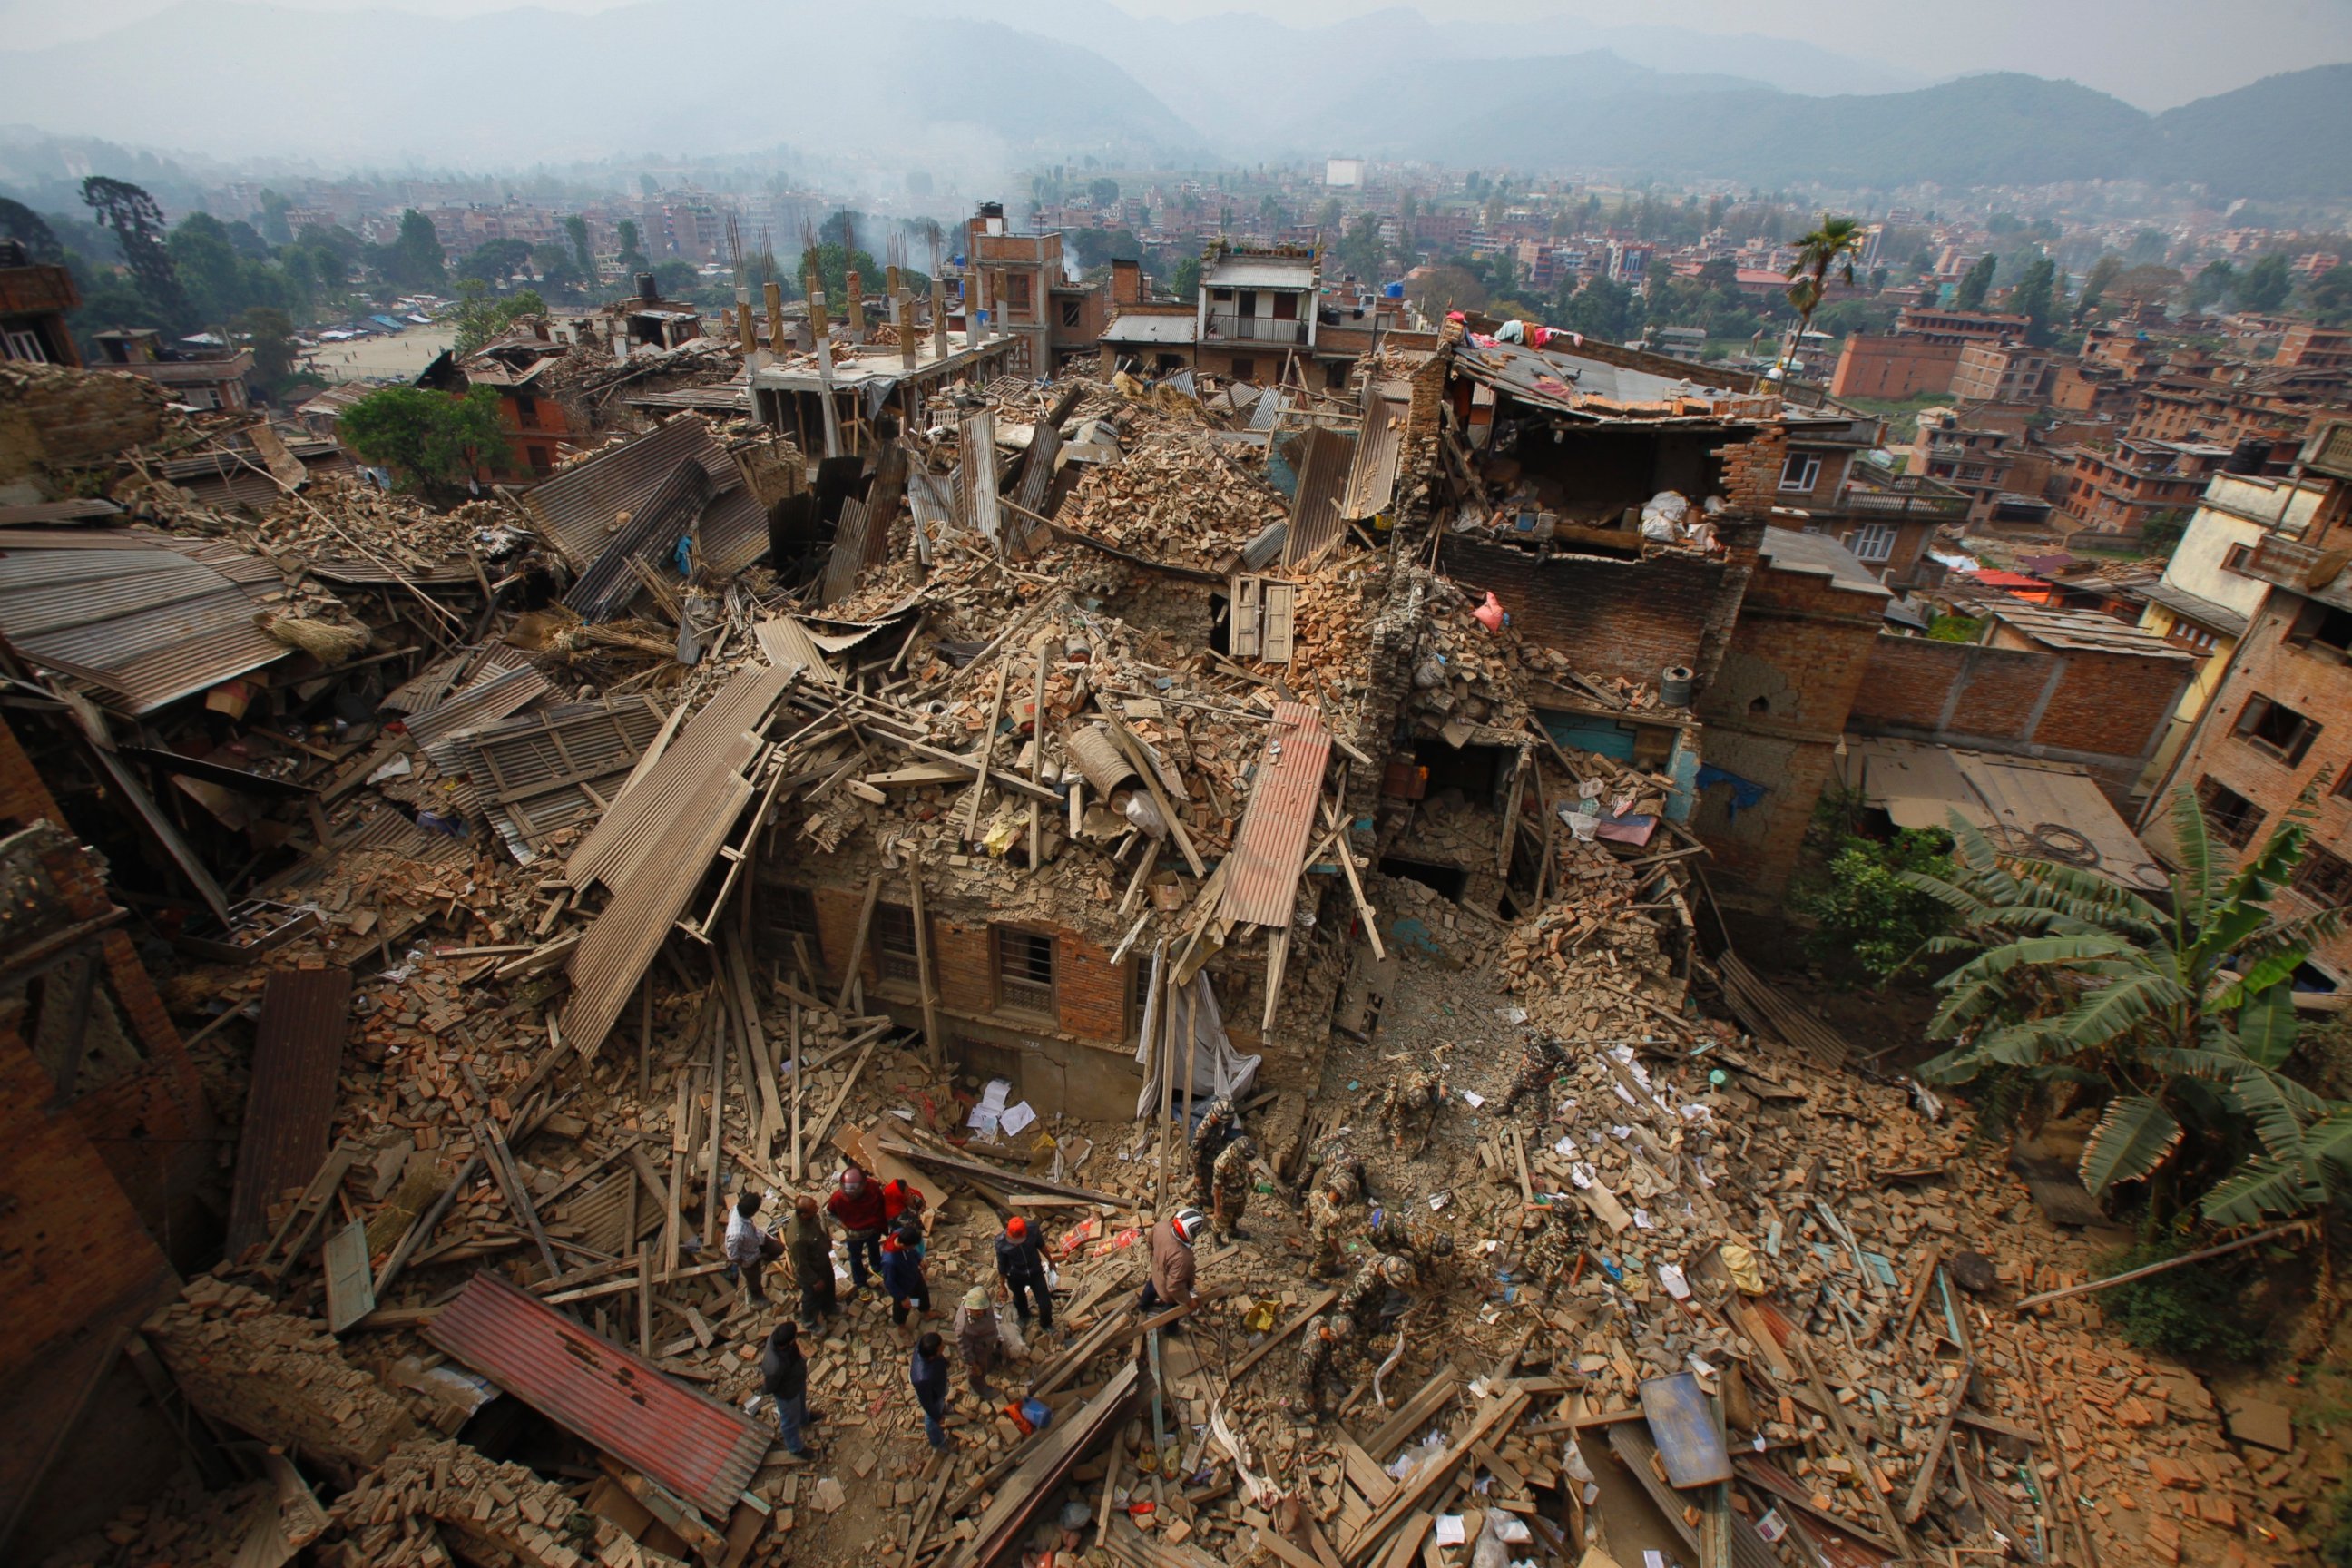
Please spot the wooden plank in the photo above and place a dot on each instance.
(1429, 1477)
(858, 944)
(994, 1172)
(351, 1289)
(1415, 1411)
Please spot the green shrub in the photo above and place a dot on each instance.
(1863, 909)
(2191, 1312)
(1954, 628)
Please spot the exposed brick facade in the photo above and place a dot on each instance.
(1892, 367)
(2105, 711)
(1632, 618)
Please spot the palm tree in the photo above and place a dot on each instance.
(1830, 247)
(2183, 1016)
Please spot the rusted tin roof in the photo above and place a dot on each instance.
(575, 509)
(305, 1017)
(120, 610)
(604, 1395)
(478, 703)
(1315, 524)
(1261, 882)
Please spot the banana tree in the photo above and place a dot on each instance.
(2184, 1015)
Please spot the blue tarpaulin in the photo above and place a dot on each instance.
(1744, 793)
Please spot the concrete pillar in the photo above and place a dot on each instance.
(939, 318)
(746, 332)
(856, 305)
(825, 378)
(902, 313)
(774, 300)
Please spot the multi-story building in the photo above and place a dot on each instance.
(1974, 454)
(1629, 261)
(34, 299)
(2279, 724)
(2000, 372)
(209, 375)
(2119, 491)
(2316, 347)
(2205, 599)
(1940, 325)
(1257, 308)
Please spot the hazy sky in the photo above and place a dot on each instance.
(2153, 53)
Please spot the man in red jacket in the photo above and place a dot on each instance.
(857, 1208)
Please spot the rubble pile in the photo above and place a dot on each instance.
(1527, 1251)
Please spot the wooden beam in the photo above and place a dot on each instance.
(923, 968)
(994, 1172)
(858, 944)
(1257, 1353)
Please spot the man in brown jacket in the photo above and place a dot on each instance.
(1170, 1284)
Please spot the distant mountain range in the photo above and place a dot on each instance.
(979, 89)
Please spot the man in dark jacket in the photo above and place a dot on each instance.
(1021, 1264)
(810, 1247)
(902, 1273)
(784, 1373)
(856, 1205)
(928, 1373)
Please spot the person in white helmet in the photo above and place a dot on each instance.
(1170, 1284)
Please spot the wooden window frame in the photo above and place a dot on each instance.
(2257, 713)
(1016, 994)
(2231, 825)
(894, 964)
(2324, 876)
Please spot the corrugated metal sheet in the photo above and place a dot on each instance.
(536, 773)
(716, 739)
(933, 512)
(848, 556)
(1037, 471)
(305, 1017)
(648, 538)
(574, 510)
(620, 944)
(787, 643)
(1262, 880)
(1314, 521)
(477, 704)
(123, 611)
(2051, 810)
(604, 1395)
(733, 531)
(1371, 479)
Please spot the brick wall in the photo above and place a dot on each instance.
(1632, 618)
(2105, 711)
(1892, 367)
(51, 417)
(1090, 990)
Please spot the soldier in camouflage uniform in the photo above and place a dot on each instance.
(1318, 1346)
(1338, 1186)
(1539, 1064)
(1412, 1102)
(1219, 1125)
(1552, 1254)
(1229, 1189)
(1362, 1297)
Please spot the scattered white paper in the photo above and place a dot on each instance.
(1015, 1118)
(1474, 1097)
(1625, 1094)
(400, 767)
(1641, 1218)
(1565, 1147)
(1653, 1560)
(1670, 1277)
(1449, 1529)
(990, 1111)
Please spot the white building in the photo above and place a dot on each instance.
(1343, 172)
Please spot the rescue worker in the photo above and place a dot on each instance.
(1410, 1105)
(1021, 1265)
(1318, 1346)
(1329, 1207)
(977, 1338)
(1172, 1265)
(1542, 1061)
(750, 1249)
(1363, 1296)
(1229, 1189)
(1219, 1125)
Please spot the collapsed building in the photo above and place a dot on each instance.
(428, 925)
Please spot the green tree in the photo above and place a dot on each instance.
(1865, 908)
(434, 441)
(269, 334)
(1602, 310)
(2330, 295)
(274, 207)
(1104, 191)
(2151, 281)
(632, 260)
(2266, 284)
(495, 260)
(2103, 272)
(1185, 282)
(207, 268)
(481, 317)
(1330, 218)
(556, 267)
(413, 261)
(29, 229)
(137, 223)
(575, 230)
(2212, 284)
(2182, 1015)
(1830, 247)
(2033, 298)
(677, 278)
(1975, 284)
